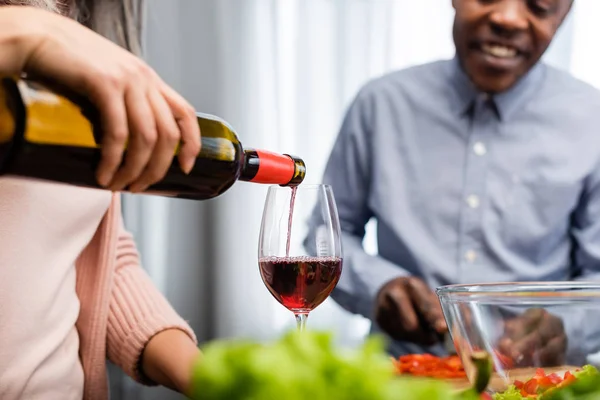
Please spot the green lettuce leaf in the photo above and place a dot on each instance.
(512, 393)
(586, 387)
(303, 366)
(586, 371)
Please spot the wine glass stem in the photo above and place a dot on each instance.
(301, 321)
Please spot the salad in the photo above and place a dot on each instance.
(308, 365)
(543, 386)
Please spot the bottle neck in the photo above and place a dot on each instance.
(261, 166)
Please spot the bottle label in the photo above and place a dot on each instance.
(7, 120)
(274, 168)
(53, 119)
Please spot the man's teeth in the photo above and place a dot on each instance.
(499, 51)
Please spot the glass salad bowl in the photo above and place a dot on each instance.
(524, 326)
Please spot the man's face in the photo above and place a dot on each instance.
(498, 41)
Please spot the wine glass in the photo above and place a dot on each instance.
(300, 250)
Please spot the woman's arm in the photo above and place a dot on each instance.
(136, 107)
(145, 336)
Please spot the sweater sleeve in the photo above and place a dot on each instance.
(137, 312)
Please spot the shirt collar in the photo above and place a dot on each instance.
(465, 94)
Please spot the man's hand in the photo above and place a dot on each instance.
(536, 338)
(408, 310)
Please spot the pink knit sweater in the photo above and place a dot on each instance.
(120, 307)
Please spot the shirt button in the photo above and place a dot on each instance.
(473, 201)
(470, 256)
(479, 149)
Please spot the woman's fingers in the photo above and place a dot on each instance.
(115, 131)
(142, 137)
(164, 150)
(186, 119)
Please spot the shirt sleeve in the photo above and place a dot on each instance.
(137, 312)
(585, 229)
(584, 337)
(349, 171)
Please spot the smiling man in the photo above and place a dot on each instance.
(481, 168)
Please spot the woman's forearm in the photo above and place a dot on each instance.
(168, 359)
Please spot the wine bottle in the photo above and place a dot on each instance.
(56, 136)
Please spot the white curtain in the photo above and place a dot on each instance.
(585, 54)
(282, 72)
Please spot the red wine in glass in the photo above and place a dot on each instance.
(300, 284)
(300, 268)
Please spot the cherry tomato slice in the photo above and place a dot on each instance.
(530, 387)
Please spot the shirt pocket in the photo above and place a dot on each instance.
(536, 214)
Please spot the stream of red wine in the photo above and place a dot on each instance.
(289, 230)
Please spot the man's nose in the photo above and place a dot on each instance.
(509, 16)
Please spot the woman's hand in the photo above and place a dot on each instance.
(168, 360)
(136, 107)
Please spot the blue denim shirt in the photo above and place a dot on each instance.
(467, 188)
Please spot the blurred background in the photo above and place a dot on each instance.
(282, 73)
